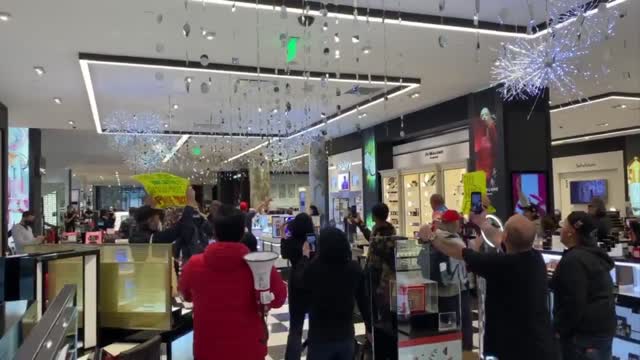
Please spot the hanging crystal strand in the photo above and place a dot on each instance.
(366, 50)
(442, 38)
(532, 20)
(476, 21)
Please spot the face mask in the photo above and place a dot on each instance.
(29, 222)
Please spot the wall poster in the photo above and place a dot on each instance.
(18, 174)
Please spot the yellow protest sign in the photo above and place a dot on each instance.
(167, 190)
(474, 182)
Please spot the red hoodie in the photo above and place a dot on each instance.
(226, 321)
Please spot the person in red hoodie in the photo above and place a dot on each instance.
(227, 322)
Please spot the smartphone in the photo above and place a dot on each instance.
(476, 202)
(311, 239)
(353, 211)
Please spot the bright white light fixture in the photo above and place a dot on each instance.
(5, 16)
(183, 139)
(612, 97)
(39, 70)
(71, 122)
(415, 95)
(175, 107)
(597, 136)
(57, 100)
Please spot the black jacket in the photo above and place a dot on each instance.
(291, 249)
(603, 224)
(584, 303)
(335, 283)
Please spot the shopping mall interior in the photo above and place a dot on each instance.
(126, 122)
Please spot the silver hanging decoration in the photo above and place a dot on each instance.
(442, 41)
(476, 16)
(186, 30)
(204, 60)
(204, 87)
(284, 14)
(187, 83)
(532, 19)
(441, 5)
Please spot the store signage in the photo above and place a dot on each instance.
(434, 154)
(439, 155)
(585, 165)
(344, 165)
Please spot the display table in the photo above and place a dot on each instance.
(626, 277)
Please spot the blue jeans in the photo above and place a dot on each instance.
(582, 347)
(339, 350)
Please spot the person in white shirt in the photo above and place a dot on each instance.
(22, 232)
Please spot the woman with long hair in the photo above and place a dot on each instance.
(291, 249)
(584, 303)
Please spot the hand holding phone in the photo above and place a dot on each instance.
(311, 240)
(476, 203)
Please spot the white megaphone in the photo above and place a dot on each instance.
(261, 264)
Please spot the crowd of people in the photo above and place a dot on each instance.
(326, 284)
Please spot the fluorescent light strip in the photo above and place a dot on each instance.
(612, 97)
(247, 152)
(246, 73)
(596, 136)
(587, 14)
(234, 136)
(88, 83)
(471, 30)
(239, 4)
(353, 111)
(177, 147)
(299, 157)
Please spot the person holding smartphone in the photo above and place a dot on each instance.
(335, 283)
(300, 229)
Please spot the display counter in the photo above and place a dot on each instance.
(135, 282)
(626, 277)
(413, 315)
(60, 265)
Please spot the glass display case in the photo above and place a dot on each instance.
(391, 197)
(428, 187)
(412, 317)
(412, 210)
(453, 187)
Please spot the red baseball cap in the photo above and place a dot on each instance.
(244, 206)
(450, 216)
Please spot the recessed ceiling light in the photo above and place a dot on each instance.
(175, 106)
(414, 95)
(620, 106)
(5, 16)
(39, 70)
(166, 125)
(366, 50)
(71, 122)
(209, 35)
(57, 100)
(603, 124)
(355, 39)
(363, 115)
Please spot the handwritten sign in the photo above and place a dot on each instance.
(474, 182)
(166, 189)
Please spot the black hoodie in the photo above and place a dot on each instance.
(335, 282)
(584, 303)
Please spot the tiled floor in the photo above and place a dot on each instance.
(278, 322)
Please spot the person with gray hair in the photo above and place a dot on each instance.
(517, 317)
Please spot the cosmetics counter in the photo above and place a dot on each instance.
(407, 193)
(626, 277)
(134, 288)
(409, 318)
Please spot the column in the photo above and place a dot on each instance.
(260, 184)
(4, 160)
(35, 178)
(508, 139)
(318, 192)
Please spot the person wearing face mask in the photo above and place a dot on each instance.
(22, 232)
(584, 303)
